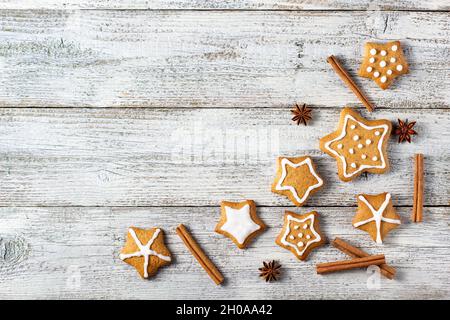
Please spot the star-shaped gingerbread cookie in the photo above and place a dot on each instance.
(296, 179)
(358, 145)
(383, 62)
(376, 215)
(239, 222)
(145, 250)
(300, 233)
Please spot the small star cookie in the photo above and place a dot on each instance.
(296, 179)
(358, 145)
(300, 233)
(383, 62)
(376, 215)
(239, 222)
(145, 250)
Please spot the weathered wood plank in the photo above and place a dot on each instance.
(44, 249)
(182, 157)
(241, 4)
(212, 59)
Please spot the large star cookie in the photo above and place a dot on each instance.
(383, 62)
(358, 145)
(300, 233)
(376, 215)
(239, 222)
(296, 179)
(145, 250)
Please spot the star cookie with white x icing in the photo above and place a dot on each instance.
(300, 233)
(358, 145)
(239, 222)
(145, 250)
(376, 215)
(296, 179)
(383, 62)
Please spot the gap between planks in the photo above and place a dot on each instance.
(331, 10)
(208, 206)
(316, 107)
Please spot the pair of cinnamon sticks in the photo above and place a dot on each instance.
(360, 259)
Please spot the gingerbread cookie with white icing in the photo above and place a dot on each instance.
(297, 179)
(145, 251)
(239, 222)
(383, 62)
(358, 145)
(376, 215)
(300, 234)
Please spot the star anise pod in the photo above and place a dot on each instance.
(270, 271)
(404, 130)
(301, 114)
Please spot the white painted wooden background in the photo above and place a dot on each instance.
(151, 116)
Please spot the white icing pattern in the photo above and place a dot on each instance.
(377, 215)
(307, 161)
(288, 230)
(383, 65)
(144, 250)
(379, 147)
(239, 223)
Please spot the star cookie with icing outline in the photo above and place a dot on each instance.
(376, 215)
(239, 222)
(297, 179)
(358, 145)
(300, 234)
(383, 62)
(145, 251)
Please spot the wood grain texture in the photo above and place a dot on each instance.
(227, 4)
(43, 250)
(198, 157)
(111, 118)
(173, 59)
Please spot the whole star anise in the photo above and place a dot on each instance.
(404, 130)
(270, 271)
(301, 114)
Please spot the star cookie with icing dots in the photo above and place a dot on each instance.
(239, 222)
(376, 215)
(300, 234)
(383, 62)
(297, 179)
(145, 251)
(358, 145)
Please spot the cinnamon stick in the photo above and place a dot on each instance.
(417, 212)
(328, 267)
(199, 254)
(343, 74)
(386, 270)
